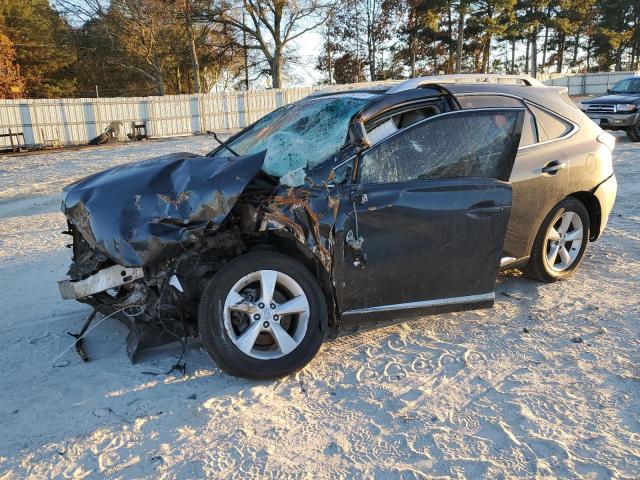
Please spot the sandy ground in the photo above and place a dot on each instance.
(497, 393)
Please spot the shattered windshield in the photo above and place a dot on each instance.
(300, 135)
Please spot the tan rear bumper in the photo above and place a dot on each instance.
(606, 195)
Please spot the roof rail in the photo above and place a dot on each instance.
(466, 78)
(346, 87)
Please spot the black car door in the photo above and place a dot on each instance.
(423, 224)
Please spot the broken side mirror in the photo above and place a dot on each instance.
(361, 140)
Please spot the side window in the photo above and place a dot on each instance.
(550, 126)
(401, 120)
(478, 143)
(529, 131)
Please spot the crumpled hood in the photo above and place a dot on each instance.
(148, 211)
(614, 98)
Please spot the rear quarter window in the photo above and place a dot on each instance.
(550, 126)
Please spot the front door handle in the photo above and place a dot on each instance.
(482, 210)
(552, 167)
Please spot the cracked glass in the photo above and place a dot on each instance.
(472, 143)
(300, 135)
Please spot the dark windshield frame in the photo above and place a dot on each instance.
(633, 81)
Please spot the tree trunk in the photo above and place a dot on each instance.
(576, 45)
(450, 33)
(544, 46)
(329, 63)
(526, 55)
(245, 52)
(159, 79)
(192, 50)
(534, 53)
(460, 40)
(435, 53)
(560, 61)
(413, 56)
(412, 41)
(513, 57)
(372, 60)
(546, 37)
(486, 54)
(276, 68)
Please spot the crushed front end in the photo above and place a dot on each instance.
(148, 236)
(158, 303)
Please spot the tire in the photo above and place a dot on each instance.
(100, 139)
(539, 265)
(633, 132)
(233, 297)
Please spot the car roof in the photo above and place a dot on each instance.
(377, 89)
(389, 93)
(486, 78)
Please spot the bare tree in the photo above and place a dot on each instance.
(142, 28)
(272, 25)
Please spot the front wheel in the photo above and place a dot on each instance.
(262, 316)
(633, 132)
(561, 242)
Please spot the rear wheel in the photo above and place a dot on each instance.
(263, 315)
(561, 242)
(633, 132)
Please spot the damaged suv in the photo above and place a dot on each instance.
(386, 203)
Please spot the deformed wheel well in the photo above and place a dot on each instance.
(590, 201)
(290, 246)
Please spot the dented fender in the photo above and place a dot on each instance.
(308, 212)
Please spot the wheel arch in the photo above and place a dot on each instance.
(287, 244)
(592, 204)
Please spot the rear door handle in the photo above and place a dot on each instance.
(552, 167)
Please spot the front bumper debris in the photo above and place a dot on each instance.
(111, 277)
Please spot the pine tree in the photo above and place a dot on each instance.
(43, 46)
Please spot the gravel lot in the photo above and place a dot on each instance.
(545, 384)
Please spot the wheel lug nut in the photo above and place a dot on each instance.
(261, 305)
(276, 317)
(273, 306)
(256, 316)
(265, 324)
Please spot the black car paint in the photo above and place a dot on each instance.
(145, 212)
(188, 203)
(414, 246)
(535, 196)
(614, 98)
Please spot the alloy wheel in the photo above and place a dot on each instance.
(266, 314)
(563, 241)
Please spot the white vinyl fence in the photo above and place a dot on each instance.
(72, 121)
(585, 85)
